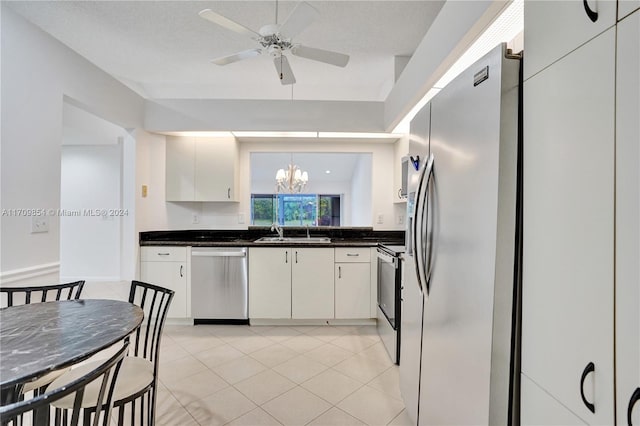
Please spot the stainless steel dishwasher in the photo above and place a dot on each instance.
(219, 285)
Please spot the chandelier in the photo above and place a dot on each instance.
(291, 180)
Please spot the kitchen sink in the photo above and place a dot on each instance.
(309, 240)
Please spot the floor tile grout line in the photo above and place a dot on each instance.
(360, 332)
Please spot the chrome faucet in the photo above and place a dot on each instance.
(277, 228)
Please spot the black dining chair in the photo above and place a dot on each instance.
(136, 389)
(36, 411)
(13, 296)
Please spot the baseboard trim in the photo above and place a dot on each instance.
(69, 278)
(31, 272)
(318, 322)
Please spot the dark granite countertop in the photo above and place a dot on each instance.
(340, 237)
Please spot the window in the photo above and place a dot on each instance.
(295, 209)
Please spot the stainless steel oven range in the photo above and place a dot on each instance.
(389, 306)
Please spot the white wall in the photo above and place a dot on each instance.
(90, 244)
(156, 214)
(37, 74)
(362, 193)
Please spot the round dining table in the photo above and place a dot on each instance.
(42, 337)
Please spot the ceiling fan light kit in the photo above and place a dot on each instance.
(275, 40)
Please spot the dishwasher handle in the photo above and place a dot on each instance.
(218, 253)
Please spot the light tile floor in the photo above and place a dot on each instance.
(260, 375)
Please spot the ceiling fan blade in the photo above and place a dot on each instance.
(326, 56)
(300, 18)
(285, 74)
(227, 23)
(245, 54)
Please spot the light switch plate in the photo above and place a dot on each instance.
(39, 224)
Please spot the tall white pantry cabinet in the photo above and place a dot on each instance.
(581, 273)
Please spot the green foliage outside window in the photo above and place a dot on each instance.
(295, 209)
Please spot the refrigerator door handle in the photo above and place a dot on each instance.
(416, 226)
(428, 239)
(419, 231)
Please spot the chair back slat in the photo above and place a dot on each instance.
(107, 372)
(154, 301)
(24, 295)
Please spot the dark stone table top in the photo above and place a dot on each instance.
(42, 337)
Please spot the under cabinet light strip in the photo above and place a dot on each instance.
(275, 134)
(358, 135)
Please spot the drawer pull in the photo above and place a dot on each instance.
(590, 368)
(164, 254)
(353, 254)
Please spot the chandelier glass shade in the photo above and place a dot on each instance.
(291, 179)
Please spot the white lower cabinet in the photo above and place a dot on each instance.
(353, 283)
(269, 282)
(312, 289)
(310, 283)
(167, 267)
(290, 282)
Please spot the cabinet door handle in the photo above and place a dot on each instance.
(163, 254)
(593, 15)
(181, 268)
(296, 256)
(590, 368)
(229, 193)
(286, 256)
(339, 271)
(634, 398)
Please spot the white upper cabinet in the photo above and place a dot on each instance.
(201, 169)
(552, 29)
(180, 169)
(628, 221)
(216, 166)
(568, 241)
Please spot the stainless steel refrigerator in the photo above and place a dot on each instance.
(460, 339)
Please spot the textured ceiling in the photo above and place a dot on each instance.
(162, 49)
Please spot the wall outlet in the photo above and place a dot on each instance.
(196, 218)
(400, 219)
(241, 218)
(39, 224)
(380, 218)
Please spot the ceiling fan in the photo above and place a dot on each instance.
(275, 39)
